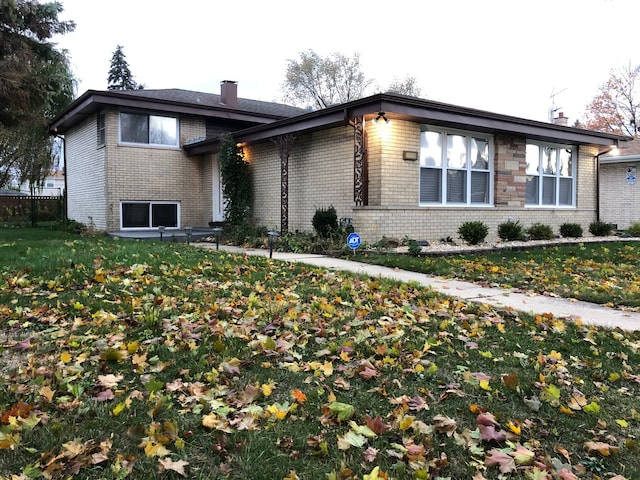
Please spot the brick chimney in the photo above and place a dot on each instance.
(229, 93)
(561, 120)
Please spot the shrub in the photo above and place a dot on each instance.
(600, 229)
(414, 248)
(473, 232)
(634, 229)
(325, 221)
(510, 231)
(571, 230)
(539, 231)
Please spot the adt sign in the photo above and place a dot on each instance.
(354, 241)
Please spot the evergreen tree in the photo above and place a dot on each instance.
(120, 77)
(35, 84)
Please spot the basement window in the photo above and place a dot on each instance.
(141, 215)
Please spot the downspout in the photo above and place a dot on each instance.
(64, 172)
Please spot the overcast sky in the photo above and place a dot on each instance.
(504, 56)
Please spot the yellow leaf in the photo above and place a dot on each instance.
(622, 423)
(484, 384)
(210, 420)
(406, 422)
(47, 393)
(153, 449)
(117, 410)
(65, 357)
(267, 389)
(515, 428)
(566, 410)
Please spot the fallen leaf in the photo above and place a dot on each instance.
(504, 462)
(177, 466)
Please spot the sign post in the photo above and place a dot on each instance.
(354, 241)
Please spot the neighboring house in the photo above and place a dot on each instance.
(53, 185)
(619, 186)
(391, 165)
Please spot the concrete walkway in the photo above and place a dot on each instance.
(532, 303)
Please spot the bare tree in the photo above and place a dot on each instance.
(405, 86)
(615, 108)
(319, 82)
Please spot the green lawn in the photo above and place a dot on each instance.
(608, 274)
(133, 359)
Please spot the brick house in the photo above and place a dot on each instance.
(619, 186)
(125, 165)
(392, 165)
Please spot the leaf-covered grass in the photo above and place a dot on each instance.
(607, 274)
(133, 359)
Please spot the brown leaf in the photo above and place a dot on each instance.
(501, 460)
(511, 381)
(178, 466)
(602, 448)
(376, 425)
(370, 454)
(445, 424)
(488, 433)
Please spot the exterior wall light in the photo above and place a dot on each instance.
(217, 231)
(381, 116)
(273, 237)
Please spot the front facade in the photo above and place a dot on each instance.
(392, 166)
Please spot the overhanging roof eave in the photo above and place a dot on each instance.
(92, 100)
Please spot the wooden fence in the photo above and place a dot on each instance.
(31, 209)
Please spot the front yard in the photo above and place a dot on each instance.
(133, 359)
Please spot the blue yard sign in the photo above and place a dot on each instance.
(354, 241)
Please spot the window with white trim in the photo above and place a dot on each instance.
(550, 175)
(148, 129)
(149, 214)
(455, 167)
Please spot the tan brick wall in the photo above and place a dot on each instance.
(619, 200)
(86, 177)
(318, 178)
(399, 178)
(144, 173)
(433, 224)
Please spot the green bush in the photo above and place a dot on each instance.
(571, 230)
(539, 231)
(634, 229)
(414, 248)
(325, 221)
(510, 231)
(473, 232)
(600, 229)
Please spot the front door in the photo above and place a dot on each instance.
(218, 197)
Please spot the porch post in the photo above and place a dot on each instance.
(284, 146)
(360, 191)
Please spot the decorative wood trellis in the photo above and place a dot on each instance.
(360, 173)
(284, 143)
